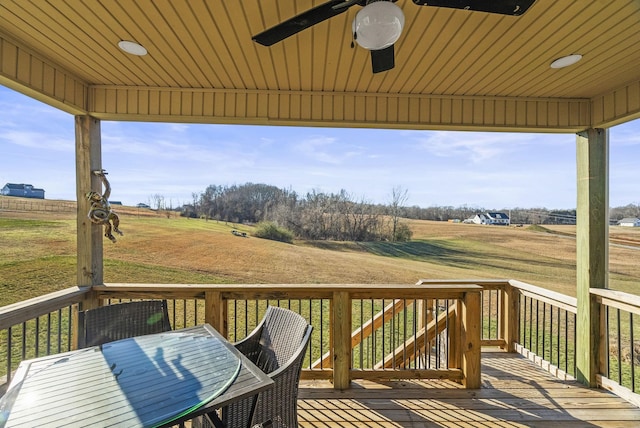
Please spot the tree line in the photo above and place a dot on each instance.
(314, 215)
(341, 216)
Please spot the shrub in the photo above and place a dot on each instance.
(403, 233)
(269, 230)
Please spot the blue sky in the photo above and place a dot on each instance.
(488, 170)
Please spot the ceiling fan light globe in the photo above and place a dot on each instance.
(378, 25)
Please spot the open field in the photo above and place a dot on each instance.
(37, 254)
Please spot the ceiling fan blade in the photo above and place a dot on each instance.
(347, 4)
(502, 7)
(300, 22)
(382, 59)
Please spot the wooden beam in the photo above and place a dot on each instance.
(20, 312)
(341, 315)
(410, 111)
(385, 375)
(470, 331)
(510, 327)
(88, 158)
(618, 300)
(215, 311)
(455, 336)
(294, 291)
(592, 248)
(41, 79)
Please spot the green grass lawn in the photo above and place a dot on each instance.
(37, 256)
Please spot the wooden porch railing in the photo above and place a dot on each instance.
(620, 362)
(37, 327)
(367, 331)
(235, 309)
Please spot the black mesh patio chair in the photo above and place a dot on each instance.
(277, 346)
(120, 321)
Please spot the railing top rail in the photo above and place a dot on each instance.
(286, 291)
(617, 299)
(20, 312)
(484, 283)
(338, 287)
(548, 295)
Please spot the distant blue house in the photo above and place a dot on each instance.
(22, 190)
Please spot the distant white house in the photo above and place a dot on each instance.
(494, 218)
(629, 222)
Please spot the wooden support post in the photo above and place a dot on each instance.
(510, 328)
(455, 339)
(88, 158)
(341, 317)
(502, 313)
(470, 331)
(592, 247)
(215, 311)
(89, 270)
(430, 310)
(420, 314)
(90, 301)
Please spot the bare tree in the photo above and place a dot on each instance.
(399, 197)
(158, 201)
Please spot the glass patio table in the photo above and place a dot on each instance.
(147, 381)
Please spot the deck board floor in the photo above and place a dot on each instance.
(514, 393)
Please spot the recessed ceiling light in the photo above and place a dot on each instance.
(132, 47)
(566, 61)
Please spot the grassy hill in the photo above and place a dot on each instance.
(38, 254)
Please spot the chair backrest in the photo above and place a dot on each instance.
(123, 320)
(281, 336)
(277, 346)
(278, 407)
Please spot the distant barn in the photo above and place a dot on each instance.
(22, 191)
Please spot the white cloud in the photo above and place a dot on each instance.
(476, 147)
(176, 150)
(625, 135)
(327, 150)
(38, 140)
(316, 148)
(179, 127)
(444, 144)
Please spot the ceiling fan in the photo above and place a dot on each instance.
(377, 26)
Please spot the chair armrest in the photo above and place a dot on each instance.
(248, 344)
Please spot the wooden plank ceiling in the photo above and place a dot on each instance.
(444, 54)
